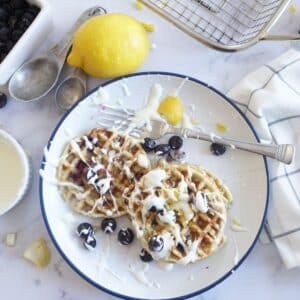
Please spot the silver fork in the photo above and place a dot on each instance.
(120, 119)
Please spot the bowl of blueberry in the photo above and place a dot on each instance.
(23, 26)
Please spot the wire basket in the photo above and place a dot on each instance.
(227, 25)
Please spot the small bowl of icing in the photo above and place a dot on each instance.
(14, 172)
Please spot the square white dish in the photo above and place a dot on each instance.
(29, 41)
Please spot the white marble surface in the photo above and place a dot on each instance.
(262, 276)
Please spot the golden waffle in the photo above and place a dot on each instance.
(217, 184)
(105, 166)
(172, 210)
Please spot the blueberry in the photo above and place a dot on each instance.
(20, 25)
(4, 34)
(84, 230)
(180, 247)
(176, 155)
(217, 149)
(23, 24)
(8, 8)
(125, 236)
(18, 3)
(16, 34)
(18, 13)
(9, 45)
(108, 225)
(3, 100)
(149, 144)
(28, 16)
(2, 47)
(161, 212)
(33, 10)
(162, 149)
(145, 256)
(156, 243)
(3, 14)
(153, 209)
(90, 242)
(2, 56)
(12, 22)
(175, 142)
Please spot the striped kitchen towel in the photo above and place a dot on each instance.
(270, 98)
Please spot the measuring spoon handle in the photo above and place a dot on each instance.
(61, 49)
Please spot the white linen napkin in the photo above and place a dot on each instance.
(270, 98)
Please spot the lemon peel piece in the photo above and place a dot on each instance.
(38, 253)
(139, 5)
(149, 27)
(10, 239)
(171, 108)
(221, 127)
(292, 9)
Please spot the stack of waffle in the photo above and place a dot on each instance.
(105, 166)
(179, 211)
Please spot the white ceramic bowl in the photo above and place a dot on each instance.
(28, 42)
(26, 178)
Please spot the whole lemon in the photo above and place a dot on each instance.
(109, 45)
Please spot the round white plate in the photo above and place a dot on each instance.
(245, 174)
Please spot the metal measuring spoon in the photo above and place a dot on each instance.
(71, 89)
(38, 76)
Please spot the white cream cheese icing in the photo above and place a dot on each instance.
(168, 217)
(142, 161)
(149, 111)
(192, 255)
(154, 178)
(201, 203)
(101, 96)
(236, 225)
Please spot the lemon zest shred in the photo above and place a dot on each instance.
(221, 127)
(292, 8)
(139, 5)
(149, 27)
(195, 121)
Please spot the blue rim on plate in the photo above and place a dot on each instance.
(70, 262)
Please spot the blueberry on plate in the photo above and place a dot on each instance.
(125, 236)
(162, 149)
(84, 230)
(108, 225)
(217, 149)
(90, 242)
(175, 142)
(149, 144)
(145, 256)
(176, 155)
(3, 100)
(156, 243)
(180, 247)
(153, 209)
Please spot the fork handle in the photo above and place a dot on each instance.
(283, 152)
